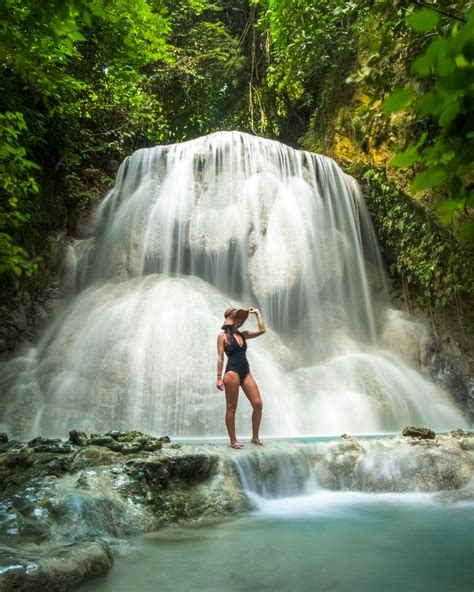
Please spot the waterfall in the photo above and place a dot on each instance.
(188, 230)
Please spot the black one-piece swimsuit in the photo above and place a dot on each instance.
(237, 360)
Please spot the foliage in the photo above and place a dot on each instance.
(17, 188)
(87, 82)
(414, 68)
(195, 101)
(306, 36)
(429, 260)
(446, 157)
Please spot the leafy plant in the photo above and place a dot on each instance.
(444, 158)
(433, 265)
(17, 188)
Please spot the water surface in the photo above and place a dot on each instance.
(328, 541)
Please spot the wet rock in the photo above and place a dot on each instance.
(418, 432)
(3, 438)
(39, 441)
(101, 441)
(50, 445)
(459, 432)
(52, 569)
(11, 462)
(467, 443)
(151, 446)
(130, 448)
(58, 466)
(94, 456)
(395, 465)
(465, 494)
(115, 434)
(77, 437)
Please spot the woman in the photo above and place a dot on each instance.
(237, 372)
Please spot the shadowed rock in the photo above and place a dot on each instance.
(418, 432)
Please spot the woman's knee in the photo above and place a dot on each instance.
(257, 405)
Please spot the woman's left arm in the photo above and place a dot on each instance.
(261, 324)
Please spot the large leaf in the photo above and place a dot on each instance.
(458, 80)
(405, 159)
(423, 20)
(398, 99)
(431, 103)
(410, 155)
(429, 178)
(449, 114)
(424, 64)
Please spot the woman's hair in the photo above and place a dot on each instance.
(228, 333)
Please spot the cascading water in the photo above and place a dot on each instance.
(189, 229)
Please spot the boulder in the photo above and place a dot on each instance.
(418, 432)
(77, 437)
(53, 569)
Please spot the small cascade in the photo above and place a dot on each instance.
(283, 471)
(287, 478)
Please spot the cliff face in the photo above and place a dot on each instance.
(28, 305)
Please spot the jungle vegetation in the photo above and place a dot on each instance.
(83, 83)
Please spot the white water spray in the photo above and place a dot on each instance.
(189, 229)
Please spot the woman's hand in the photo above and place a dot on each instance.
(220, 384)
(253, 309)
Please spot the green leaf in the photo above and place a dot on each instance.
(398, 99)
(468, 50)
(449, 114)
(457, 80)
(431, 103)
(96, 9)
(405, 159)
(423, 20)
(466, 232)
(424, 63)
(429, 178)
(77, 36)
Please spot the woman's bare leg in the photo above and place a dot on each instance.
(231, 384)
(250, 388)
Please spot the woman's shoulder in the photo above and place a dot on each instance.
(221, 336)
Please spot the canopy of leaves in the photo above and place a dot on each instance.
(86, 82)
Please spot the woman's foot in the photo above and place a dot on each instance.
(256, 441)
(237, 445)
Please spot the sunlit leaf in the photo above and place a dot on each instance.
(423, 20)
(405, 159)
(430, 178)
(398, 99)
